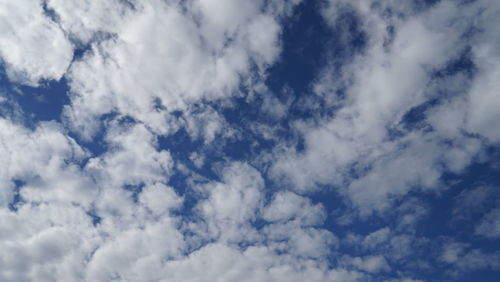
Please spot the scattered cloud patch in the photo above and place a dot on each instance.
(179, 149)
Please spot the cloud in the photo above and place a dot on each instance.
(371, 264)
(32, 46)
(232, 205)
(483, 96)
(86, 21)
(402, 68)
(376, 238)
(464, 258)
(132, 157)
(334, 184)
(108, 235)
(222, 263)
(478, 206)
(489, 226)
(287, 206)
(45, 160)
(163, 57)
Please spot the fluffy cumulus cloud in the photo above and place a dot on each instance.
(407, 99)
(173, 54)
(25, 25)
(234, 140)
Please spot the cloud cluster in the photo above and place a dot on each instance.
(76, 222)
(410, 111)
(71, 214)
(162, 56)
(25, 24)
(337, 194)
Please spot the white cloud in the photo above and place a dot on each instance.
(372, 264)
(484, 97)
(392, 177)
(376, 238)
(473, 200)
(132, 158)
(205, 124)
(121, 257)
(45, 242)
(385, 85)
(478, 205)
(159, 198)
(141, 242)
(45, 159)
(152, 65)
(232, 205)
(287, 206)
(305, 242)
(164, 54)
(464, 258)
(32, 46)
(489, 226)
(51, 236)
(217, 262)
(367, 145)
(197, 159)
(82, 20)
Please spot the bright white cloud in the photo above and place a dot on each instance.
(45, 159)
(164, 56)
(394, 74)
(69, 214)
(32, 46)
(51, 236)
(287, 206)
(88, 20)
(371, 264)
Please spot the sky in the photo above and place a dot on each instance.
(252, 141)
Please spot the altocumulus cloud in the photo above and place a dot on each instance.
(235, 140)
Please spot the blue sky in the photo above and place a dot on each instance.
(234, 140)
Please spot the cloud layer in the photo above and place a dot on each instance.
(183, 154)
